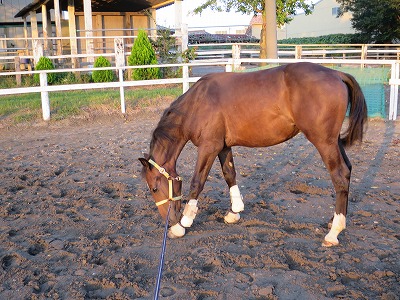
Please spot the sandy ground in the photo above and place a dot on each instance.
(77, 221)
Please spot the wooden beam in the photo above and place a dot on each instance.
(165, 3)
(49, 31)
(57, 19)
(26, 35)
(87, 10)
(44, 28)
(34, 25)
(98, 24)
(153, 24)
(72, 32)
(178, 25)
(178, 14)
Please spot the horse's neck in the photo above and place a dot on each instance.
(167, 156)
(169, 139)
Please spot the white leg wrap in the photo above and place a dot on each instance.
(189, 213)
(338, 224)
(232, 217)
(176, 231)
(236, 199)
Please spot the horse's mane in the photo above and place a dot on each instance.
(169, 127)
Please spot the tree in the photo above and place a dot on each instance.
(142, 53)
(45, 63)
(102, 75)
(376, 21)
(285, 9)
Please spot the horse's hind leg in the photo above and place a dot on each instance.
(349, 166)
(228, 169)
(339, 168)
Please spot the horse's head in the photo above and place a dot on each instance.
(165, 187)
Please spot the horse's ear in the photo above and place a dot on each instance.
(145, 162)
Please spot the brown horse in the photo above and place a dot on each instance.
(255, 109)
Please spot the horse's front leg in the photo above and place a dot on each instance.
(206, 156)
(228, 169)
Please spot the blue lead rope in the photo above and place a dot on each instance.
(161, 265)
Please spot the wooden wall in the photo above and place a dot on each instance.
(104, 25)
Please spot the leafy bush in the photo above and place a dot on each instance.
(45, 63)
(189, 54)
(143, 54)
(167, 53)
(326, 39)
(102, 75)
(67, 78)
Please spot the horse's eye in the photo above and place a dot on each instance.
(154, 190)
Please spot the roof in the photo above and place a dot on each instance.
(204, 37)
(97, 5)
(255, 20)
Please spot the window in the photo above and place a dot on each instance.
(336, 11)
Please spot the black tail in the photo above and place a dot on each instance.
(358, 111)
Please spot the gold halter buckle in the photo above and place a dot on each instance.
(170, 180)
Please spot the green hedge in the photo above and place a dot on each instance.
(45, 63)
(102, 75)
(143, 54)
(326, 39)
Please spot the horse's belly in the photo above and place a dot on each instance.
(261, 134)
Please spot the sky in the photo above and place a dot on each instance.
(209, 18)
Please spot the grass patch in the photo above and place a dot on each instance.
(24, 117)
(63, 105)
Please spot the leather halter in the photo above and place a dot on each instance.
(170, 181)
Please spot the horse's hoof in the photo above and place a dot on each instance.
(176, 231)
(231, 218)
(172, 236)
(327, 244)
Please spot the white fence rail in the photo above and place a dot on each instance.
(338, 51)
(228, 64)
(11, 57)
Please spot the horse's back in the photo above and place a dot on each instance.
(269, 106)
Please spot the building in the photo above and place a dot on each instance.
(10, 26)
(68, 20)
(322, 21)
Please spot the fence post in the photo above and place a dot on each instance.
(121, 90)
(37, 50)
(185, 37)
(184, 47)
(236, 56)
(185, 77)
(120, 64)
(364, 51)
(44, 95)
(229, 66)
(298, 51)
(394, 90)
(17, 62)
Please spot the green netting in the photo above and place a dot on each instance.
(371, 80)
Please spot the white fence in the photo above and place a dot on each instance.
(337, 51)
(11, 58)
(228, 64)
